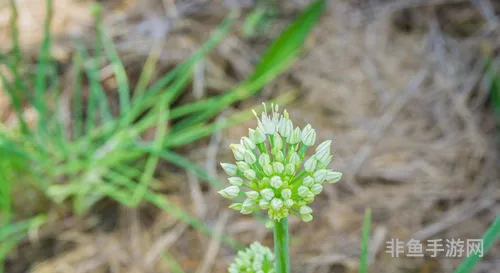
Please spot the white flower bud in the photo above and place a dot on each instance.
(238, 151)
(250, 157)
(306, 217)
(257, 136)
(276, 203)
(310, 165)
(305, 210)
(267, 125)
(286, 194)
(278, 142)
(267, 194)
(286, 128)
(289, 169)
(235, 181)
(268, 169)
(289, 203)
(303, 191)
(276, 182)
(279, 156)
(308, 181)
(278, 167)
(264, 159)
(295, 159)
(308, 135)
(325, 160)
(242, 166)
(324, 146)
(316, 189)
(295, 138)
(263, 204)
(252, 195)
(333, 177)
(247, 143)
(230, 192)
(320, 176)
(250, 174)
(230, 169)
(247, 210)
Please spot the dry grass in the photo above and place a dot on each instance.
(397, 85)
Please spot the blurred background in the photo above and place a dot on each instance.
(407, 89)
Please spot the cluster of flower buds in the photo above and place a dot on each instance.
(272, 170)
(254, 259)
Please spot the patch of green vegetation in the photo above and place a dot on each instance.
(93, 152)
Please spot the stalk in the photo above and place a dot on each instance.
(281, 246)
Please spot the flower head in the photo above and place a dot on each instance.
(254, 259)
(272, 170)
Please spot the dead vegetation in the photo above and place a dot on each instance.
(398, 85)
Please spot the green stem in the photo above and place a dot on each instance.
(281, 246)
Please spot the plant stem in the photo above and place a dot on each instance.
(281, 246)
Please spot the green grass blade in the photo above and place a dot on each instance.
(365, 240)
(291, 39)
(77, 103)
(119, 70)
(16, 90)
(42, 67)
(163, 203)
(157, 144)
(489, 238)
(279, 56)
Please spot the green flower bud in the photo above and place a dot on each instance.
(279, 156)
(236, 206)
(306, 217)
(289, 203)
(278, 142)
(289, 169)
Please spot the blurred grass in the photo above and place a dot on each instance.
(365, 240)
(102, 154)
(489, 238)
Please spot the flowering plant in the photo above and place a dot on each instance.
(272, 172)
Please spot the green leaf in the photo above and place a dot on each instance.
(365, 240)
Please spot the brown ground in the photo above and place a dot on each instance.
(398, 85)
